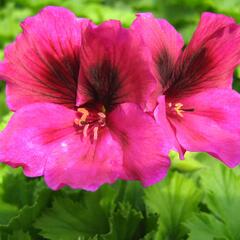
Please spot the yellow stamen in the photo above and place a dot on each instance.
(90, 125)
(178, 109)
(95, 133)
(85, 114)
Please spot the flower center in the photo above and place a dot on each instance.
(178, 109)
(90, 122)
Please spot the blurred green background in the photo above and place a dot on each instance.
(200, 198)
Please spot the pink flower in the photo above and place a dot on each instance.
(77, 89)
(194, 99)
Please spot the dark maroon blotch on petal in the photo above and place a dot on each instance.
(59, 78)
(43, 64)
(188, 72)
(165, 65)
(102, 85)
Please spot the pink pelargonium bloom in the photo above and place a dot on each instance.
(194, 99)
(77, 89)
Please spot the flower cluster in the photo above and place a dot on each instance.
(94, 104)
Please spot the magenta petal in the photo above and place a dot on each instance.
(159, 35)
(32, 133)
(169, 133)
(145, 148)
(164, 42)
(83, 164)
(114, 65)
(43, 139)
(213, 126)
(42, 65)
(210, 58)
(209, 23)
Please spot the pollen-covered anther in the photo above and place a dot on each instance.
(178, 109)
(90, 122)
(85, 114)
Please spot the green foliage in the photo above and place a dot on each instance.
(124, 223)
(174, 200)
(197, 204)
(69, 220)
(190, 163)
(223, 201)
(5, 120)
(206, 226)
(22, 201)
(19, 235)
(101, 215)
(3, 108)
(17, 191)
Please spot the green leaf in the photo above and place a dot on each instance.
(236, 82)
(222, 196)
(3, 107)
(1, 54)
(205, 226)
(4, 120)
(189, 164)
(69, 220)
(150, 226)
(4, 170)
(124, 223)
(131, 192)
(28, 214)
(7, 211)
(17, 190)
(105, 214)
(82, 237)
(174, 200)
(19, 235)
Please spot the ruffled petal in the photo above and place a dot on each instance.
(210, 58)
(159, 35)
(213, 126)
(164, 42)
(114, 65)
(84, 164)
(42, 65)
(31, 134)
(43, 139)
(145, 147)
(209, 23)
